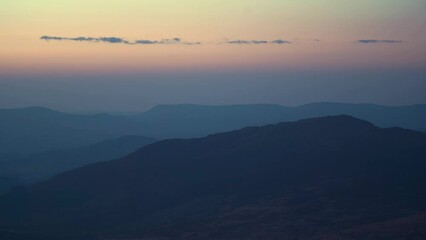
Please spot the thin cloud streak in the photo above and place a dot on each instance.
(280, 41)
(247, 42)
(168, 41)
(85, 39)
(368, 41)
(180, 41)
(117, 40)
(257, 42)
(165, 41)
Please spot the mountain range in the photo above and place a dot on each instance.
(36, 130)
(333, 177)
(188, 120)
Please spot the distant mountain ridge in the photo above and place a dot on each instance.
(189, 120)
(333, 177)
(36, 130)
(33, 168)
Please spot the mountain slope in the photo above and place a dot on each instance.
(291, 180)
(7, 183)
(33, 168)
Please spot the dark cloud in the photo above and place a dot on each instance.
(112, 40)
(378, 41)
(259, 42)
(147, 42)
(280, 41)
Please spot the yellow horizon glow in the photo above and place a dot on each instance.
(338, 24)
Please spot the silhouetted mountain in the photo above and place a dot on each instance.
(332, 176)
(410, 116)
(171, 121)
(38, 167)
(36, 129)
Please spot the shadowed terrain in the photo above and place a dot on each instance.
(324, 178)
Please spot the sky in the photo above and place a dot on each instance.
(130, 55)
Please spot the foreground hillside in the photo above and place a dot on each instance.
(325, 178)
